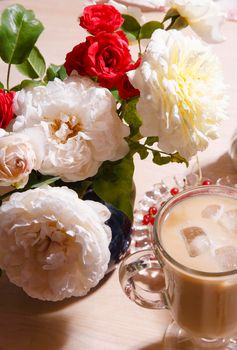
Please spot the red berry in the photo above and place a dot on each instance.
(174, 191)
(146, 219)
(152, 211)
(206, 182)
(152, 220)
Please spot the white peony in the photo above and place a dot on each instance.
(80, 122)
(182, 96)
(53, 244)
(204, 16)
(20, 153)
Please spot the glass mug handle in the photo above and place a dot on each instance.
(130, 268)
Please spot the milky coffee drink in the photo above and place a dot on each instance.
(200, 233)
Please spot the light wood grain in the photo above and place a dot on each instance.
(105, 319)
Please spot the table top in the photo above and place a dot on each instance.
(105, 318)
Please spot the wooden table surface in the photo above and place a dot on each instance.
(105, 319)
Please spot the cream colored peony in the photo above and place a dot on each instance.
(20, 153)
(204, 16)
(80, 122)
(182, 96)
(53, 244)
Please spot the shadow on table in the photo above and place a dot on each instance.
(38, 332)
(221, 168)
(27, 323)
(14, 299)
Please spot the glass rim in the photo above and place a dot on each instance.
(209, 189)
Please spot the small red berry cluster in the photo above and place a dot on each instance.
(149, 218)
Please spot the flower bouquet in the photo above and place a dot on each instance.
(72, 129)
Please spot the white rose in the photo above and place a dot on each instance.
(53, 244)
(182, 95)
(128, 10)
(204, 17)
(80, 122)
(20, 153)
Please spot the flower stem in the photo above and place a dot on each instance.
(199, 169)
(8, 75)
(151, 149)
(139, 46)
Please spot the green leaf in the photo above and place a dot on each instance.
(151, 140)
(46, 181)
(136, 147)
(131, 117)
(34, 66)
(56, 71)
(160, 159)
(114, 184)
(115, 93)
(179, 23)
(177, 158)
(19, 32)
(131, 27)
(148, 28)
(1, 85)
(171, 14)
(27, 84)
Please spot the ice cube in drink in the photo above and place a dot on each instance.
(229, 220)
(212, 211)
(226, 257)
(196, 240)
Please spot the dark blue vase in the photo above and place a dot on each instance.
(120, 226)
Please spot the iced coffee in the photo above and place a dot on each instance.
(199, 235)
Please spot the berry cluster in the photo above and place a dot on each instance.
(149, 218)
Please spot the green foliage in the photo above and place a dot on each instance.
(114, 184)
(19, 32)
(131, 117)
(115, 93)
(179, 23)
(56, 71)
(136, 147)
(1, 85)
(171, 13)
(134, 31)
(131, 27)
(151, 140)
(176, 21)
(34, 66)
(160, 158)
(48, 180)
(148, 28)
(177, 158)
(27, 84)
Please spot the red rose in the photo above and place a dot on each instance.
(6, 108)
(105, 56)
(76, 60)
(125, 88)
(101, 17)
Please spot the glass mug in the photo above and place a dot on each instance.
(202, 304)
